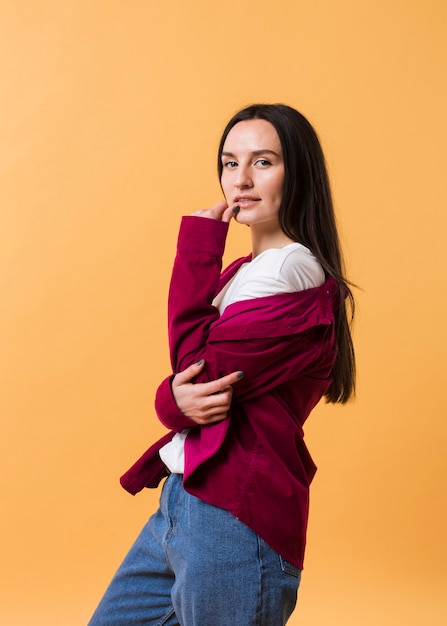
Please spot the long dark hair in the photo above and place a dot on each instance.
(306, 215)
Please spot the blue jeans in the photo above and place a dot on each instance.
(195, 564)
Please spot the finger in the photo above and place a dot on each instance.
(217, 401)
(219, 208)
(229, 213)
(217, 418)
(218, 385)
(188, 374)
(215, 212)
(203, 421)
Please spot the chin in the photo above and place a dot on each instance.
(242, 218)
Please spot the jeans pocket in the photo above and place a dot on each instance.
(288, 568)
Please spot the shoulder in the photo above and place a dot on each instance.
(279, 314)
(294, 265)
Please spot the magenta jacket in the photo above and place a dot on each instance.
(254, 463)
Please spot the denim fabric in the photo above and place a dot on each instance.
(195, 564)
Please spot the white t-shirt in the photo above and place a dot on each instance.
(276, 270)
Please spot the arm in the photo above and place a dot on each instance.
(264, 357)
(276, 356)
(194, 282)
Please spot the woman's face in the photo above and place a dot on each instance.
(253, 172)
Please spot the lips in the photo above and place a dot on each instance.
(242, 200)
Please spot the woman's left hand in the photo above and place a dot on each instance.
(220, 211)
(204, 403)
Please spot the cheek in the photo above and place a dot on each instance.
(280, 187)
(225, 187)
(276, 189)
(227, 195)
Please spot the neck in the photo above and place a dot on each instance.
(262, 240)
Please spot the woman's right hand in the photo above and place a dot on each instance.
(220, 211)
(204, 403)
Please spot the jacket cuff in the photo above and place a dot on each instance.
(202, 234)
(167, 410)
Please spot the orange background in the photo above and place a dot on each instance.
(110, 116)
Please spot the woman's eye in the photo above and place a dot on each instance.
(230, 164)
(263, 162)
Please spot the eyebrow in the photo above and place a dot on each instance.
(254, 153)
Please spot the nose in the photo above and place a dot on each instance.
(243, 179)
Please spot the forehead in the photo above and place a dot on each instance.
(252, 136)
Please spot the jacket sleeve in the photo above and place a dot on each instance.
(194, 282)
(269, 354)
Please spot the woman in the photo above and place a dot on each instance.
(253, 350)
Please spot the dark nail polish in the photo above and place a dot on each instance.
(236, 208)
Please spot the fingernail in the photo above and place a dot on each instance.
(240, 374)
(236, 208)
(199, 362)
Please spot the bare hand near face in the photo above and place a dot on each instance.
(204, 403)
(220, 211)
